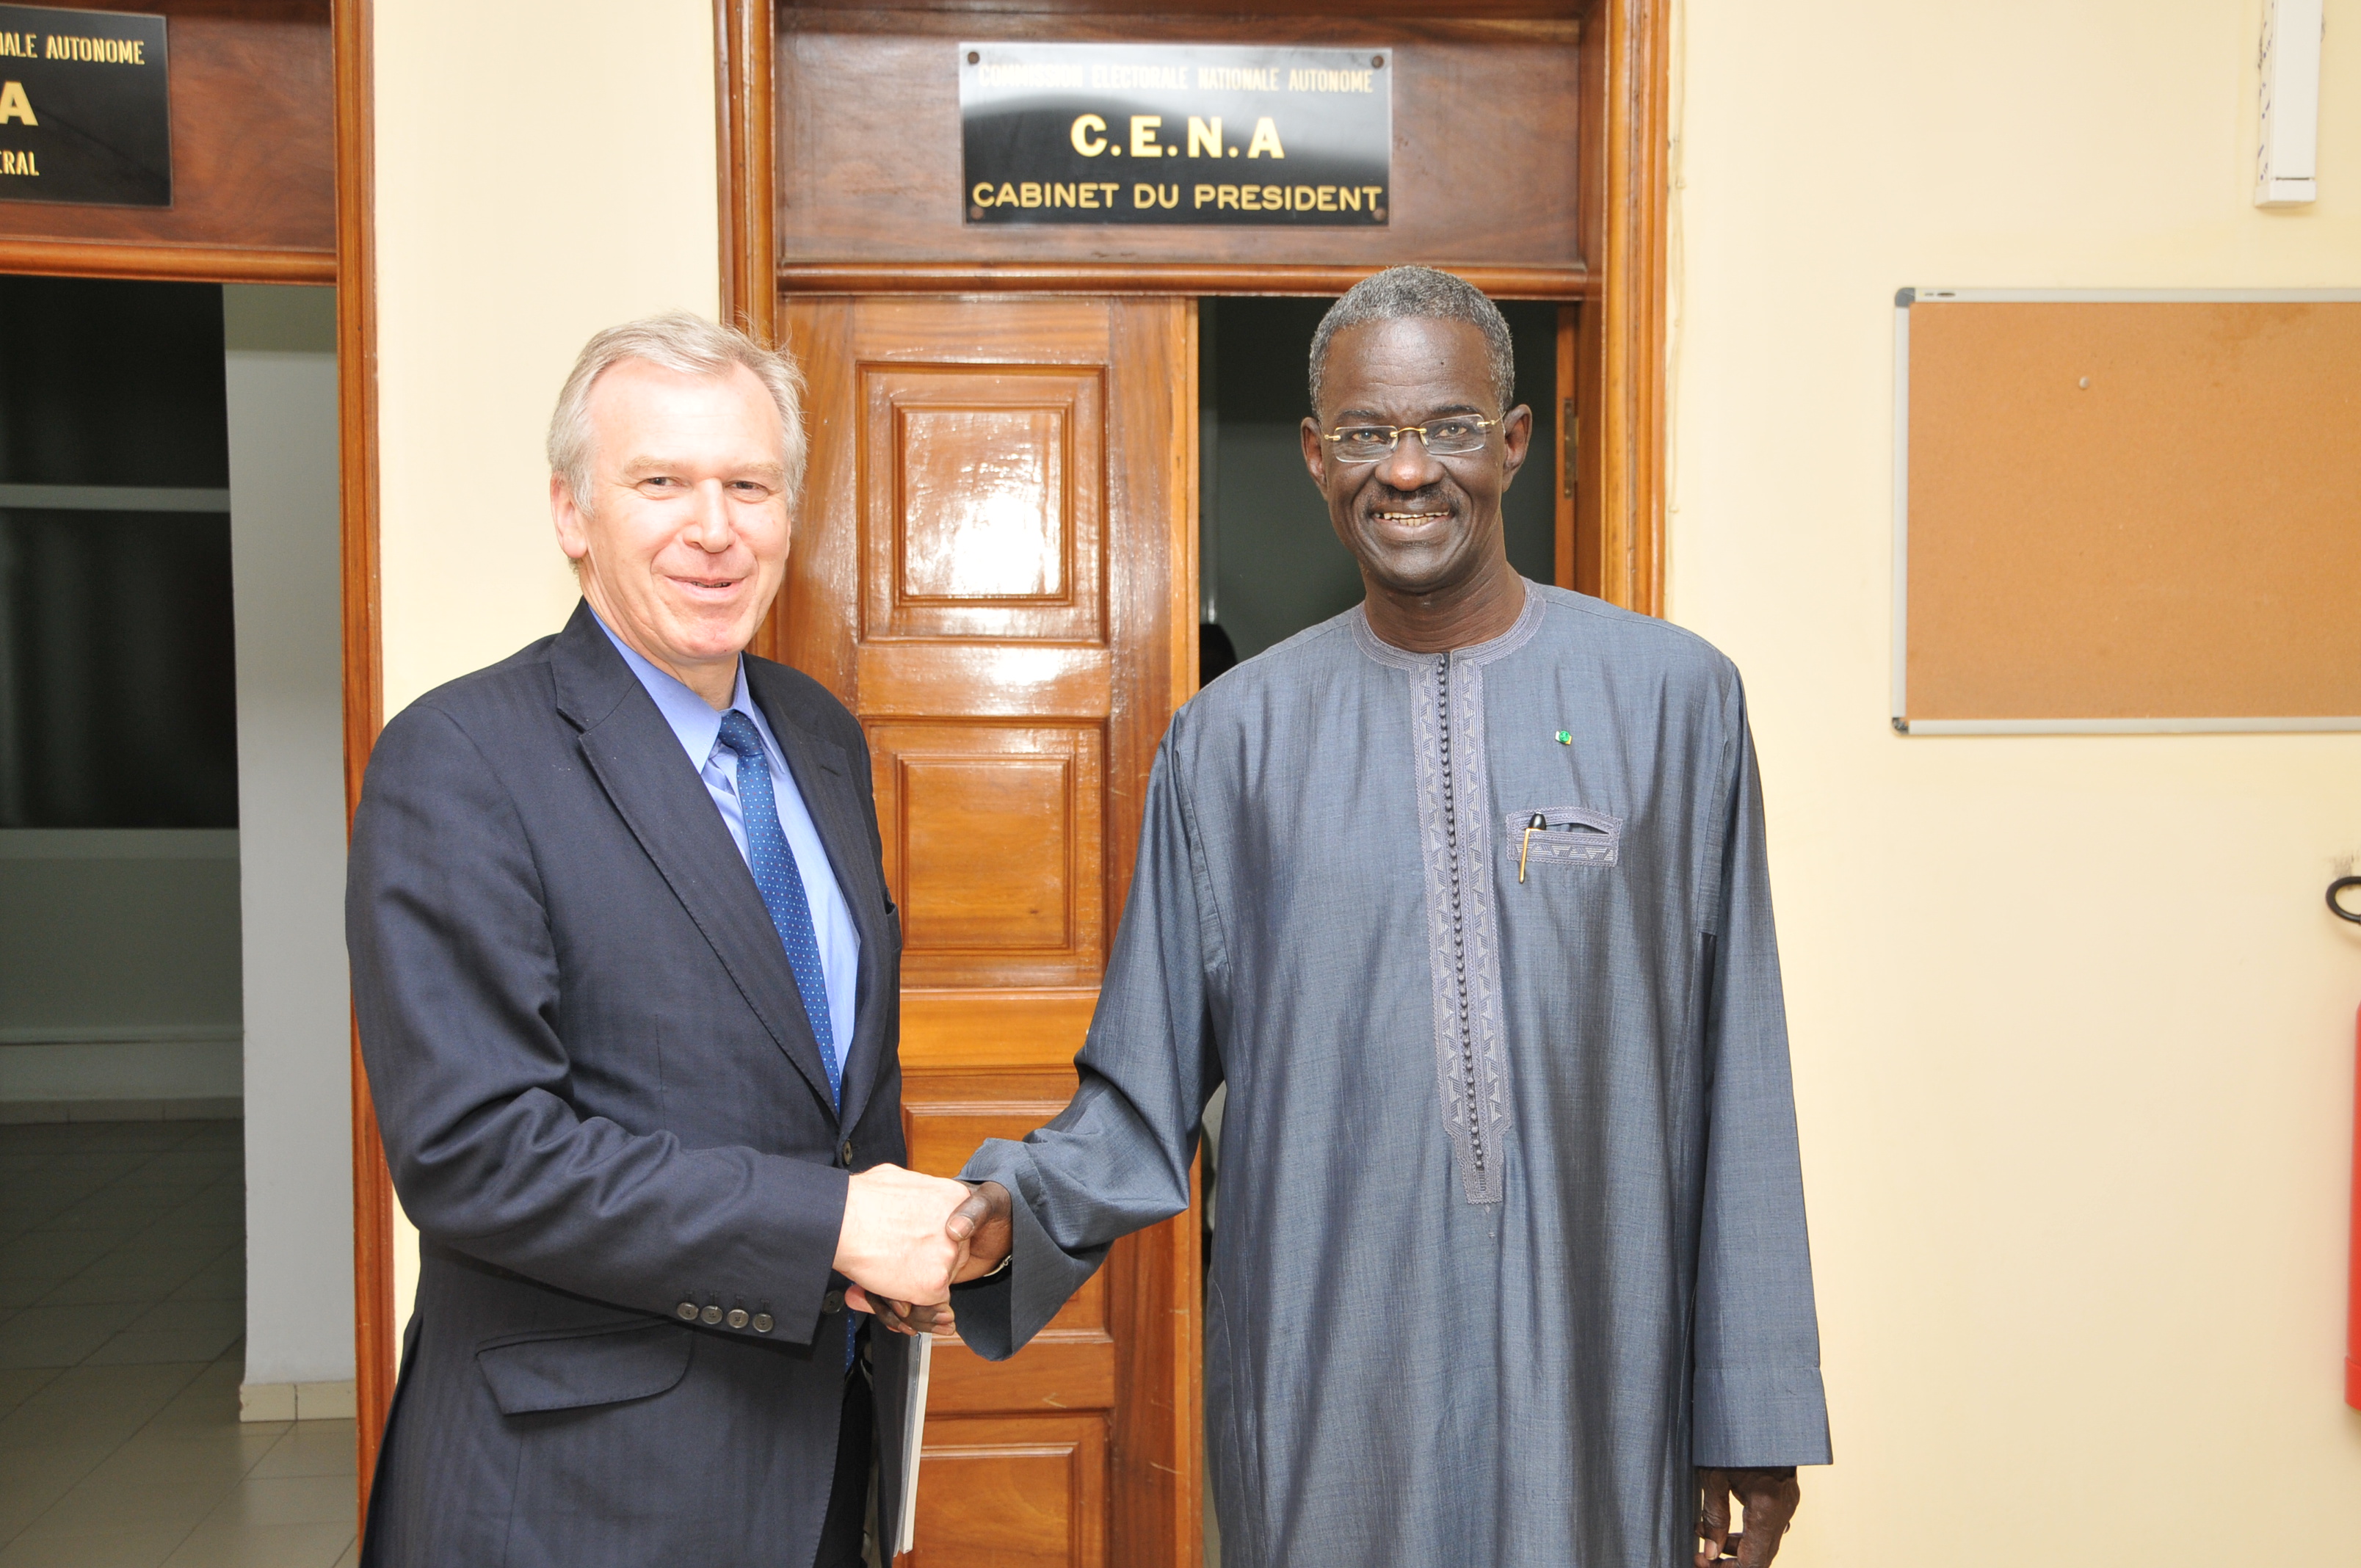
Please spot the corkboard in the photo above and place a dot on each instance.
(2127, 512)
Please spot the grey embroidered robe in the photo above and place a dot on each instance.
(1512, 1225)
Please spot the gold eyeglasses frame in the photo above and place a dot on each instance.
(1394, 432)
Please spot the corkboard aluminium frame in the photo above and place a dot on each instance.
(2126, 511)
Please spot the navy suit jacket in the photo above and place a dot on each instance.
(605, 1111)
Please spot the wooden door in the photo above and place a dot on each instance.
(993, 568)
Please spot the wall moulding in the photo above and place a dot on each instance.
(171, 263)
(1145, 278)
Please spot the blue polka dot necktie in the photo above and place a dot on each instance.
(781, 884)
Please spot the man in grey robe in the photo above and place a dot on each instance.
(1463, 894)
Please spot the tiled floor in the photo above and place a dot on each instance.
(122, 1317)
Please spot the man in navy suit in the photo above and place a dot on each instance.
(626, 971)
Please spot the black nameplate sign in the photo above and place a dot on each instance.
(1175, 134)
(85, 114)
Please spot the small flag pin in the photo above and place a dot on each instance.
(1566, 737)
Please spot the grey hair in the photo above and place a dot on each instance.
(1401, 294)
(689, 345)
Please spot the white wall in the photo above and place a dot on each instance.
(118, 965)
(518, 211)
(280, 375)
(2073, 1032)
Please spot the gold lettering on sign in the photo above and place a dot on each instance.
(1238, 79)
(1155, 196)
(24, 46)
(1205, 137)
(15, 106)
(1283, 198)
(1137, 78)
(1143, 135)
(1330, 82)
(1266, 139)
(101, 51)
(992, 73)
(1085, 137)
(12, 162)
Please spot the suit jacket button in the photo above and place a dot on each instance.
(712, 1314)
(686, 1312)
(847, 1152)
(737, 1319)
(832, 1302)
(762, 1322)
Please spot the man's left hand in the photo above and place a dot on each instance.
(1769, 1496)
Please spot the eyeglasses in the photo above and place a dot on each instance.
(1453, 437)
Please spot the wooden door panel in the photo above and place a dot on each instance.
(984, 680)
(991, 567)
(934, 329)
(994, 850)
(1049, 1376)
(1017, 1492)
(984, 501)
(975, 1031)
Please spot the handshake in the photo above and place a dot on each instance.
(907, 1239)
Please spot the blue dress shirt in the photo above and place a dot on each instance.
(699, 728)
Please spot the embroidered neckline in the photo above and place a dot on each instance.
(1454, 809)
(1521, 632)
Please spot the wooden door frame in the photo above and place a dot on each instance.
(363, 683)
(1612, 543)
(1611, 539)
(352, 270)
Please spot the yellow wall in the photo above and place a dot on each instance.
(2073, 1032)
(543, 169)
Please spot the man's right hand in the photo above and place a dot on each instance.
(980, 1225)
(897, 1239)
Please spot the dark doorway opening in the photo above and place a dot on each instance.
(1269, 565)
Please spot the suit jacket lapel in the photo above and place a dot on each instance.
(636, 758)
(823, 773)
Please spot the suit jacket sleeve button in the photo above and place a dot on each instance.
(686, 1312)
(737, 1319)
(712, 1314)
(762, 1322)
(847, 1152)
(832, 1302)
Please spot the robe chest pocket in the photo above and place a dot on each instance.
(1571, 836)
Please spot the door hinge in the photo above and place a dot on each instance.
(1569, 424)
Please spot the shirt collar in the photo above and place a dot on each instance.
(694, 722)
(1520, 632)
